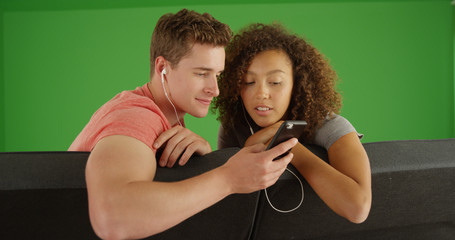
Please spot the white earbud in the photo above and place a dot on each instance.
(163, 72)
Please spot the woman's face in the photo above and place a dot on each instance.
(267, 87)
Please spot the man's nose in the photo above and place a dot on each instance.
(212, 87)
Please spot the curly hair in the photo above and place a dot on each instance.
(314, 95)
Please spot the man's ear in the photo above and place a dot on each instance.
(160, 64)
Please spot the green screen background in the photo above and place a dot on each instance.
(62, 60)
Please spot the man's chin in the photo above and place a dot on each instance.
(199, 114)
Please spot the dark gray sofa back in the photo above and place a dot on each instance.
(43, 196)
(413, 185)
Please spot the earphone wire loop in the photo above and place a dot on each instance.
(265, 190)
(290, 210)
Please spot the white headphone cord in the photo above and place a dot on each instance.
(165, 93)
(290, 210)
(287, 169)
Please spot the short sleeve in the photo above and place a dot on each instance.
(333, 129)
(139, 123)
(129, 113)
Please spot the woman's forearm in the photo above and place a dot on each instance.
(344, 195)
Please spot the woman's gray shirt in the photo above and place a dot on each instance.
(332, 129)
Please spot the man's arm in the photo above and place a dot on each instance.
(125, 202)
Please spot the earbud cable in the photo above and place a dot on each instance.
(165, 93)
(265, 190)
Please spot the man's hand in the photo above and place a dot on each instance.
(252, 168)
(180, 142)
(263, 136)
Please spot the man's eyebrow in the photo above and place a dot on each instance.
(206, 69)
(203, 68)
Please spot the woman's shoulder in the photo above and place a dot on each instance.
(334, 127)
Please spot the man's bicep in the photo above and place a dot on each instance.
(120, 160)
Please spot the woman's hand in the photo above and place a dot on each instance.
(263, 136)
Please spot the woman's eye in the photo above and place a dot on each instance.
(275, 83)
(248, 83)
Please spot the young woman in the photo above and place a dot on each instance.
(272, 75)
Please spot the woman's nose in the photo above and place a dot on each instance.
(262, 92)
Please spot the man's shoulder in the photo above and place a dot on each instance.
(131, 104)
(129, 113)
(133, 99)
(135, 114)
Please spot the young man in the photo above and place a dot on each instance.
(187, 55)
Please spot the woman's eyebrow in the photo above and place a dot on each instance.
(268, 73)
(275, 71)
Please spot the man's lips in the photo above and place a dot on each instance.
(204, 101)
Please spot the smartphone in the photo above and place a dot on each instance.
(287, 130)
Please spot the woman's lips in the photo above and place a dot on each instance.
(263, 110)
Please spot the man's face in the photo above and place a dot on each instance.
(193, 81)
